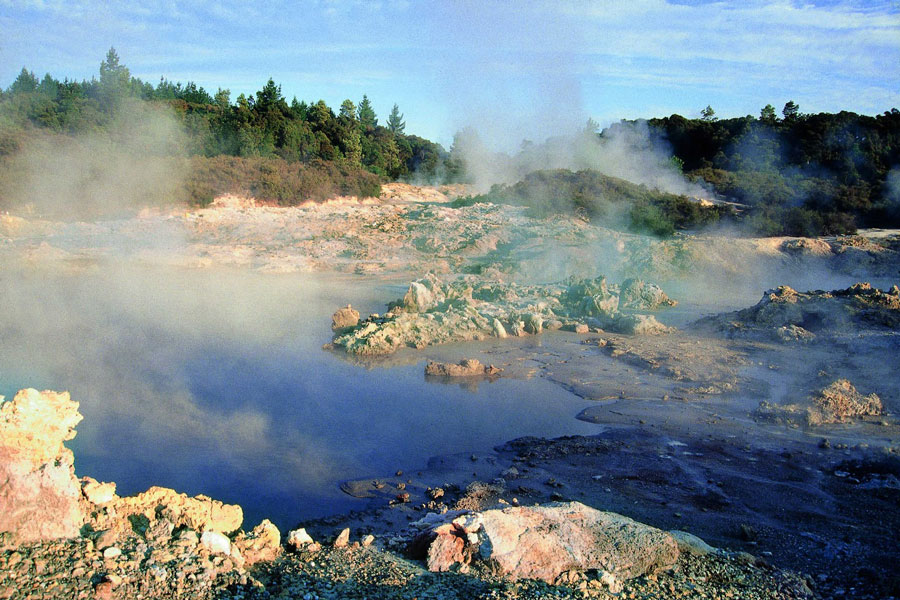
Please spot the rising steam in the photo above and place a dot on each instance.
(135, 161)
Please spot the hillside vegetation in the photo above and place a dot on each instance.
(606, 200)
(801, 174)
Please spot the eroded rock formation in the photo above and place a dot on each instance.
(433, 312)
(40, 497)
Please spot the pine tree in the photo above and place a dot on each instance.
(367, 114)
(395, 121)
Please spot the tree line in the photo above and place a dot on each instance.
(798, 174)
(263, 124)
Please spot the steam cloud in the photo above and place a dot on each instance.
(626, 150)
(135, 161)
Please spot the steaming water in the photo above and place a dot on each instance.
(216, 383)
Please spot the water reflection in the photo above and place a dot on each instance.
(216, 383)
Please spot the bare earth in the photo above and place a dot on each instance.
(727, 427)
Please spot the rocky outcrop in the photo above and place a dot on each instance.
(642, 295)
(469, 367)
(840, 402)
(543, 542)
(786, 315)
(432, 312)
(40, 497)
(199, 513)
(344, 318)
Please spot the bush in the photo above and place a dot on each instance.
(596, 196)
(275, 180)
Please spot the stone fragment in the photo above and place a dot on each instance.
(199, 513)
(216, 542)
(691, 544)
(298, 538)
(262, 543)
(368, 540)
(343, 538)
(96, 492)
(469, 367)
(112, 552)
(840, 402)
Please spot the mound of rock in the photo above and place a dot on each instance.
(469, 367)
(433, 312)
(838, 402)
(544, 542)
(786, 315)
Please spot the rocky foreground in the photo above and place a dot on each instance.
(65, 537)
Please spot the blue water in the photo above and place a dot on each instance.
(217, 383)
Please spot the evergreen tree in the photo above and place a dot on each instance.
(708, 114)
(367, 114)
(767, 114)
(25, 83)
(348, 110)
(791, 111)
(395, 121)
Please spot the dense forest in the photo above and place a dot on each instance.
(793, 173)
(307, 148)
(799, 174)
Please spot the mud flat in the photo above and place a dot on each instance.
(760, 418)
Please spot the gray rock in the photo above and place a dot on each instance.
(691, 544)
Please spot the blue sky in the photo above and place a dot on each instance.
(514, 70)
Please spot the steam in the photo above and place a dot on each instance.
(128, 341)
(625, 150)
(134, 161)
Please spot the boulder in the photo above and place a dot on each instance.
(344, 319)
(297, 538)
(263, 543)
(40, 498)
(542, 542)
(469, 367)
(497, 329)
(216, 542)
(534, 323)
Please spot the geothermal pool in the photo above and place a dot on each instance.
(215, 382)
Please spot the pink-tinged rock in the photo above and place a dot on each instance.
(40, 497)
(542, 542)
(447, 549)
